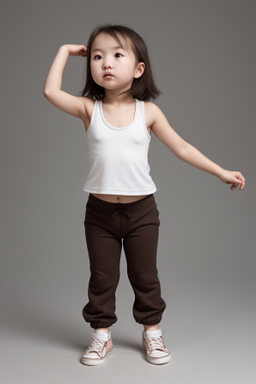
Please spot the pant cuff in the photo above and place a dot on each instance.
(150, 322)
(96, 325)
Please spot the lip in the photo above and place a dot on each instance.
(108, 74)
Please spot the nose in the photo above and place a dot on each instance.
(106, 63)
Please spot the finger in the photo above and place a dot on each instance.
(241, 178)
(238, 181)
(235, 185)
(242, 186)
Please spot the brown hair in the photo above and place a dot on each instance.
(143, 88)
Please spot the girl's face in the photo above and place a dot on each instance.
(107, 56)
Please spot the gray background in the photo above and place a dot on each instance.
(203, 59)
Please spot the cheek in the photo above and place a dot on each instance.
(94, 70)
(127, 72)
(94, 76)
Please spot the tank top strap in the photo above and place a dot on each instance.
(141, 117)
(94, 116)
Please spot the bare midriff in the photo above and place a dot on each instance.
(118, 198)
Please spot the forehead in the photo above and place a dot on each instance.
(104, 41)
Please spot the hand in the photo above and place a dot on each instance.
(75, 49)
(232, 177)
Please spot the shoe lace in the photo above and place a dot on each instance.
(96, 345)
(156, 343)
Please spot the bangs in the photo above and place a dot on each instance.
(121, 38)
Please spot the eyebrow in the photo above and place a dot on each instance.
(102, 50)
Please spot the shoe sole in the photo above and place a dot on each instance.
(157, 360)
(89, 361)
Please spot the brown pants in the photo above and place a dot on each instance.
(106, 224)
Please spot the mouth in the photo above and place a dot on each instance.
(108, 75)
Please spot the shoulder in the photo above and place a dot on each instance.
(152, 111)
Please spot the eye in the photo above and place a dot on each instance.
(119, 54)
(96, 56)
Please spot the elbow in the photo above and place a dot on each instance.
(46, 93)
(182, 150)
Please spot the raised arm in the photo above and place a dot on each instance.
(187, 152)
(73, 105)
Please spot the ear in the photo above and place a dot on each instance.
(139, 70)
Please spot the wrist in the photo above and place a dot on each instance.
(219, 172)
(64, 48)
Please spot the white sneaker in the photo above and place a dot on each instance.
(101, 345)
(157, 352)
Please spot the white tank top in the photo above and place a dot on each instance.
(118, 156)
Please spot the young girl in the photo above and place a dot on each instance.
(119, 121)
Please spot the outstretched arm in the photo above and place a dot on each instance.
(187, 152)
(193, 156)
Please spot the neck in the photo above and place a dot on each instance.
(113, 97)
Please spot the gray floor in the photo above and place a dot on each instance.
(210, 342)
